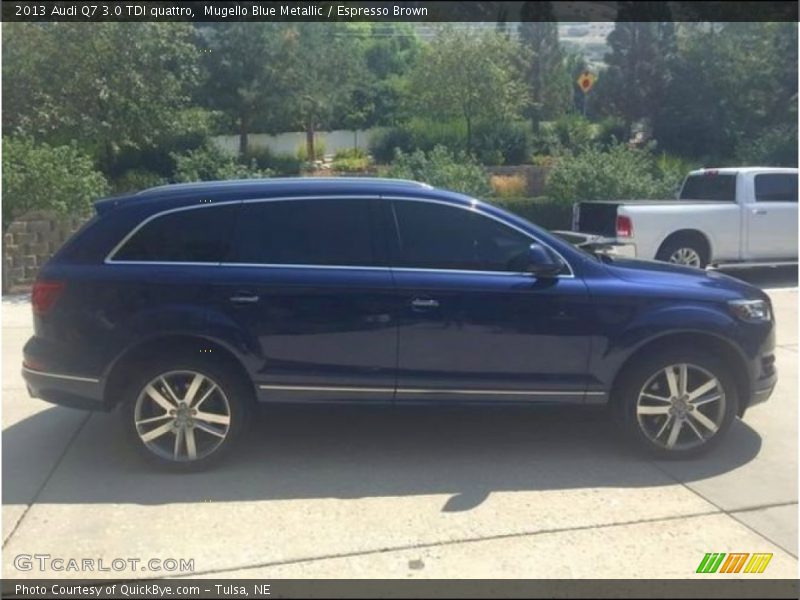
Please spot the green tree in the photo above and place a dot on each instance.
(549, 87)
(325, 62)
(39, 176)
(469, 76)
(638, 66)
(244, 67)
(111, 87)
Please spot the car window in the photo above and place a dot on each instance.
(709, 186)
(305, 232)
(195, 235)
(776, 187)
(436, 236)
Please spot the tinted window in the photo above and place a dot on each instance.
(435, 236)
(305, 232)
(709, 186)
(196, 235)
(776, 187)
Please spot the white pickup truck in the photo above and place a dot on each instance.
(744, 215)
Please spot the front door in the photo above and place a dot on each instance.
(472, 324)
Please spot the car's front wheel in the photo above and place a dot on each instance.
(185, 415)
(677, 403)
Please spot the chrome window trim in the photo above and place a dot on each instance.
(61, 376)
(473, 208)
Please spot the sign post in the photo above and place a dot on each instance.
(586, 82)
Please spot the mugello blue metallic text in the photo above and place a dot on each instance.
(186, 306)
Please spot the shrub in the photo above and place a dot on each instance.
(442, 168)
(504, 142)
(509, 186)
(385, 143)
(283, 164)
(137, 179)
(610, 131)
(352, 164)
(619, 173)
(343, 153)
(319, 150)
(39, 176)
(775, 147)
(541, 211)
(572, 132)
(209, 163)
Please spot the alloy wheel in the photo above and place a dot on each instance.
(680, 407)
(182, 416)
(686, 256)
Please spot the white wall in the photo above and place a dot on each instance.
(288, 143)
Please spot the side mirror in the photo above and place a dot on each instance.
(542, 262)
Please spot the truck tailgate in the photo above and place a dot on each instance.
(599, 218)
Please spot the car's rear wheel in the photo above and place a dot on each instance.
(677, 403)
(186, 415)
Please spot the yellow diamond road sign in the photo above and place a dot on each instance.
(586, 81)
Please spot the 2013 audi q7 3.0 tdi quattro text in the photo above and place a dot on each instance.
(186, 306)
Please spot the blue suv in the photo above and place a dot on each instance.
(188, 305)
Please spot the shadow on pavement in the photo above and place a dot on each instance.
(355, 452)
(766, 277)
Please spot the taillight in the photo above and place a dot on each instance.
(44, 295)
(624, 226)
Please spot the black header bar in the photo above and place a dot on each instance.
(421, 12)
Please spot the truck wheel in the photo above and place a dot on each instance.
(684, 251)
(676, 403)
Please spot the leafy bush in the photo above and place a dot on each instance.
(775, 147)
(284, 164)
(385, 143)
(573, 132)
(209, 163)
(619, 173)
(137, 179)
(509, 186)
(352, 164)
(541, 211)
(442, 168)
(38, 176)
(319, 150)
(610, 131)
(502, 143)
(342, 153)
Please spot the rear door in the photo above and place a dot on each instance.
(308, 297)
(770, 213)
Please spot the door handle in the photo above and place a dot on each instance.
(424, 303)
(759, 211)
(244, 298)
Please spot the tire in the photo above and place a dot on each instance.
(218, 394)
(642, 406)
(684, 250)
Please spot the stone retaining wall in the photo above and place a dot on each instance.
(29, 241)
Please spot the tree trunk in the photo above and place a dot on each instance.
(310, 150)
(469, 135)
(243, 127)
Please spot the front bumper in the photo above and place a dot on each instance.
(67, 390)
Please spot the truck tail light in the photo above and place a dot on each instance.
(44, 296)
(624, 227)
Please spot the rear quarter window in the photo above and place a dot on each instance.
(709, 186)
(191, 235)
(776, 187)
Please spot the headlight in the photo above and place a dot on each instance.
(751, 310)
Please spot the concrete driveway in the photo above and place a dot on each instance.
(368, 493)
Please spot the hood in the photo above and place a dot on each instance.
(667, 275)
